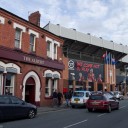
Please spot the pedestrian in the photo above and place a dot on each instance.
(55, 98)
(70, 94)
(67, 98)
(60, 96)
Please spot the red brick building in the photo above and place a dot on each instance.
(31, 64)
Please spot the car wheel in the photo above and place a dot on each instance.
(89, 109)
(109, 109)
(31, 114)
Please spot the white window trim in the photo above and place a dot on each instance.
(1, 84)
(20, 38)
(52, 55)
(15, 25)
(2, 20)
(34, 33)
(12, 84)
(36, 36)
(50, 80)
(55, 84)
(34, 48)
(22, 28)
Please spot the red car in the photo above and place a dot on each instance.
(103, 101)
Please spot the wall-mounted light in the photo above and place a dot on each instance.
(21, 87)
(42, 35)
(27, 28)
(9, 22)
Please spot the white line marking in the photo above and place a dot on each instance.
(75, 124)
(122, 107)
(101, 114)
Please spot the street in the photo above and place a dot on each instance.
(74, 118)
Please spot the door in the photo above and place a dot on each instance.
(30, 91)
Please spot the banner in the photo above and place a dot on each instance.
(83, 70)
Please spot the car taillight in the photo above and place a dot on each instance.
(105, 103)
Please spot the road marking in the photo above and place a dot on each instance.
(122, 107)
(101, 114)
(75, 124)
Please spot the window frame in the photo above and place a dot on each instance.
(32, 43)
(11, 88)
(51, 85)
(19, 39)
(49, 43)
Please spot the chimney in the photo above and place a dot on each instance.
(35, 18)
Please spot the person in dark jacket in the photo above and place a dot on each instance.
(60, 96)
(67, 98)
(55, 98)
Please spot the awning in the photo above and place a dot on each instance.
(49, 75)
(56, 76)
(11, 70)
(1, 69)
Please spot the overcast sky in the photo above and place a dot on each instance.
(102, 18)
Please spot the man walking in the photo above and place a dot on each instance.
(55, 98)
(60, 96)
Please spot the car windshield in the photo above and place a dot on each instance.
(96, 97)
(116, 93)
(78, 94)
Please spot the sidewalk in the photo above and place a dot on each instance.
(125, 97)
(56, 108)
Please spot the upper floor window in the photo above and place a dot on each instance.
(18, 38)
(55, 51)
(48, 48)
(32, 42)
(52, 47)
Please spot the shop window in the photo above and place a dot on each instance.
(18, 34)
(9, 84)
(1, 84)
(54, 87)
(32, 43)
(47, 87)
(51, 85)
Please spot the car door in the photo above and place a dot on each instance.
(19, 107)
(6, 108)
(111, 100)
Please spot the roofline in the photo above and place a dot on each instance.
(30, 22)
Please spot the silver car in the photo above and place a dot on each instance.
(118, 95)
(79, 98)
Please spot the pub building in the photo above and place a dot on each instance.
(91, 63)
(31, 65)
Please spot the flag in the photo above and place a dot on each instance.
(104, 55)
(113, 61)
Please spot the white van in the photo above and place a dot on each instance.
(79, 98)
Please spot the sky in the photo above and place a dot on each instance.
(101, 18)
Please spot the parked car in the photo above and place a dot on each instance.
(79, 98)
(103, 101)
(12, 107)
(118, 95)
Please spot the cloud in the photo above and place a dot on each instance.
(105, 18)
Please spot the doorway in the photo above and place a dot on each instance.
(30, 90)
